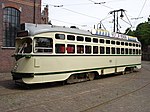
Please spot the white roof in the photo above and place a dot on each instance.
(34, 29)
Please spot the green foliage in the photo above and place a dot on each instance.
(142, 32)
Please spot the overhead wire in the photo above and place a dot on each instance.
(142, 8)
(68, 22)
(62, 7)
(81, 13)
(140, 12)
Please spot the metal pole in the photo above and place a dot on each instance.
(117, 23)
(114, 21)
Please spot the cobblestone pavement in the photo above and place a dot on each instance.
(117, 93)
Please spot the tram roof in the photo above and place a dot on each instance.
(34, 29)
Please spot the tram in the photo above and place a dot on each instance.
(47, 53)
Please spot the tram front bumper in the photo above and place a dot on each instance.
(18, 76)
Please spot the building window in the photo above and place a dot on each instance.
(11, 23)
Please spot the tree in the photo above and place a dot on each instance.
(130, 32)
(143, 33)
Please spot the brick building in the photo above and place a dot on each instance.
(12, 14)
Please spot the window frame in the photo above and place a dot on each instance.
(11, 24)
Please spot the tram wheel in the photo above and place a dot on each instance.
(91, 76)
(123, 72)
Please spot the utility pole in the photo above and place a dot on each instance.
(115, 20)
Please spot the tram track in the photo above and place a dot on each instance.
(70, 97)
(82, 93)
(124, 81)
(123, 95)
(116, 98)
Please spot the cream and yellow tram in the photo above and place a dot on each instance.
(46, 53)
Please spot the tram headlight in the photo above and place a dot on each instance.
(15, 67)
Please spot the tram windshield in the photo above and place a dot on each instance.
(24, 45)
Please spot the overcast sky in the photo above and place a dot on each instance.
(87, 13)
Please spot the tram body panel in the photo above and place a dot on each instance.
(50, 68)
(25, 65)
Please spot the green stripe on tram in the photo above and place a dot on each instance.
(82, 70)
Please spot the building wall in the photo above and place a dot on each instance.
(26, 8)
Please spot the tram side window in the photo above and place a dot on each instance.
(130, 51)
(126, 51)
(126, 44)
(139, 45)
(60, 48)
(137, 51)
(122, 50)
(101, 40)
(118, 43)
(107, 41)
(122, 43)
(88, 49)
(118, 50)
(133, 51)
(140, 51)
(80, 49)
(113, 42)
(43, 45)
(70, 37)
(60, 36)
(87, 39)
(107, 50)
(70, 48)
(80, 38)
(130, 44)
(95, 49)
(102, 50)
(113, 50)
(95, 40)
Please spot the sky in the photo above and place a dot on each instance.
(86, 13)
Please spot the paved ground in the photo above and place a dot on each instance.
(119, 93)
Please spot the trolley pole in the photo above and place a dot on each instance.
(115, 20)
